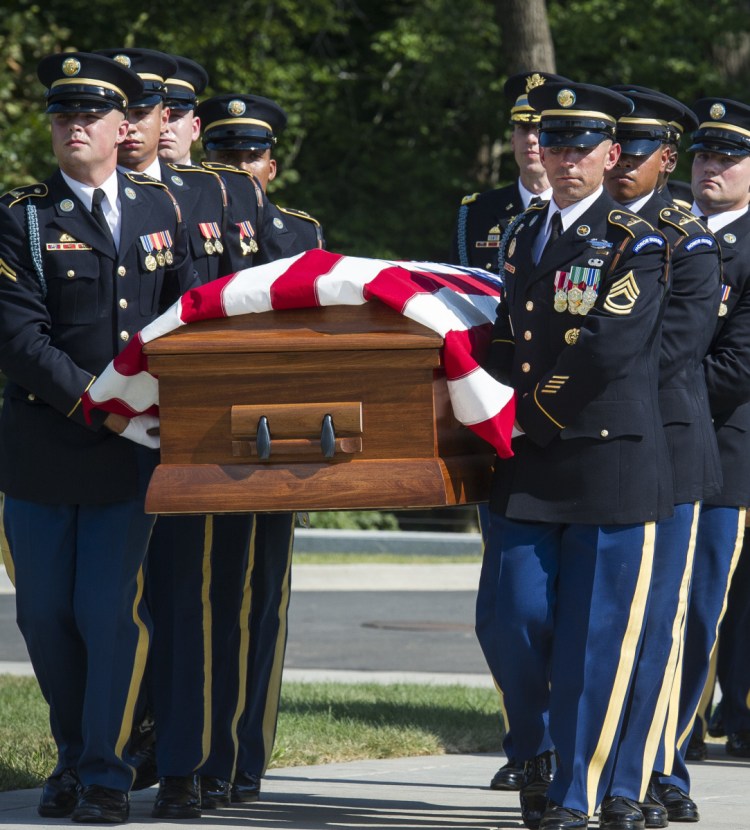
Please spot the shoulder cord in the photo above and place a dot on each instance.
(511, 226)
(35, 246)
(463, 215)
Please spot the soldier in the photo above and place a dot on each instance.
(76, 283)
(573, 512)
(240, 131)
(239, 134)
(647, 150)
(183, 127)
(179, 558)
(721, 186)
(483, 217)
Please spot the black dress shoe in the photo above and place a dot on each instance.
(101, 805)
(509, 776)
(245, 788)
(215, 792)
(620, 813)
(59, 794)
(738, 744)
(680, 807)
(696, 749)
(563, 818)
(654, 812)
(178, 797)
(142, 752)
(537, 776)
(715, 726)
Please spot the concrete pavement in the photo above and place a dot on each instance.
(447, 792)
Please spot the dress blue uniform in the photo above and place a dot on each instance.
(573, 513)
(724, 130)
(481, 222)
(73, 293)
(686, 332)
(251, 580)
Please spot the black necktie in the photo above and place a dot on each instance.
(98, 213)
(555, 229)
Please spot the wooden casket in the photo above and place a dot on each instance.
(334, 408)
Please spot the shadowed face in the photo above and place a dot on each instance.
(636, 176)
(576, 172)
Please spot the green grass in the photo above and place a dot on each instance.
(319, 723)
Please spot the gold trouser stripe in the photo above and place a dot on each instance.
(673, 666)
(244, 622)
(139, 667)
(503, 713)
(271, 708)
(704, 706)
(7, 555)
(624, 667)
(732, 566)
(208, 539)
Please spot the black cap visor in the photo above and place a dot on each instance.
(573, 138)
(712, 140)
(84, 98)
(238, 142)
(638, 146)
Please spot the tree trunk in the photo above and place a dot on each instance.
(527, 42)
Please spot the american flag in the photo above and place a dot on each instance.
(458, 303)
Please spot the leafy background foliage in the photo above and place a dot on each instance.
(396, 108)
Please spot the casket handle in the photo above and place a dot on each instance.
(299, 430)
(328, 437)
(263, 439)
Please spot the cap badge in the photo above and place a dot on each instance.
(566, 98)
(533, 81)
(71, 66)
(717, 111)
(123, 59)
(130, 193)
(178, 181)
(730, 238)
(236, 107)
(583, 230)
(67, 205)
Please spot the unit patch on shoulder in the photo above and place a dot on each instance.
(622, 295)
(708, 241)
(647, 240)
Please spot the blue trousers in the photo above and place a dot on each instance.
(79, 599)
(562, 642)
(659, 659)
(733, 668)
(717, 550)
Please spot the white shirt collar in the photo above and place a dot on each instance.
(719, 220)
(569, 214)
(85, 192)
(527, 195)
(153, 170)
(637, 205)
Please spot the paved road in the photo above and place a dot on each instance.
(376, 618)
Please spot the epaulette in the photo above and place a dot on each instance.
(191, 169)
(681, 203)
(18, 194)
(218, 167)
(467, 200)
(143, 178)
(629, 222)
(684, 221)
(300, 214)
